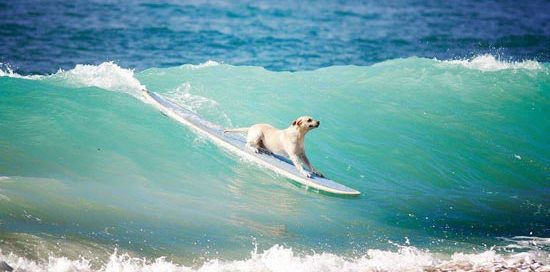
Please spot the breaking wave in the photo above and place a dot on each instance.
(279, 259)
(460, 151)
(489, 63)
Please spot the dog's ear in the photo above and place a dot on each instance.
(299, 123)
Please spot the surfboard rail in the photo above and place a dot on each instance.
(215, 133)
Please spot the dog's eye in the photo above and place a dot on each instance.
(309, 120)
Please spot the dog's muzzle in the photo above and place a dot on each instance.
(317, 125)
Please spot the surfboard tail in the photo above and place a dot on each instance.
(235, 130)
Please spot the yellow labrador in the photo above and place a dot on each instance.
(287, 142)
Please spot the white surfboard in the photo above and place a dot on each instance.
(236, 144)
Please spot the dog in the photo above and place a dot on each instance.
(287, 142)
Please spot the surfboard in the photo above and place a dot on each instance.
(236, 144)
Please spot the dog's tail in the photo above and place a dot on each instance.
(236, 130)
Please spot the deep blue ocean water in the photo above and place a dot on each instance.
(436, 111)
(42, 37)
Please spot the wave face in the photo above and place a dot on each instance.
(451, 157)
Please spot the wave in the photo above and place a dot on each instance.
(110, 76)
(208, 63)
(280, 258)
(489, 63)
(7, 71)
(107, 75)
(439, 108)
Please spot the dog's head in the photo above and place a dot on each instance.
(306, 123)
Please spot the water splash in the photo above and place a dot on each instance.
(199, 104)
(489, 63)
(279, 258)
(7, 71)
(107, 75)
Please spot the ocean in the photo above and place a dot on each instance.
(436, 112)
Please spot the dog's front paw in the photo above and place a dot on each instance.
(305, 174)
(266, 151)
(253, 149)
(319, 174)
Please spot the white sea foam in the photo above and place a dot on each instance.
(279, 258)
(182, 95)
(198, 104)
(208, 63)
(7, 71)
(488, 63)
(107, 75)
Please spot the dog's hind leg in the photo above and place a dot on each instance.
(253, 140)
(252, 148)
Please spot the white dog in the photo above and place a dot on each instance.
(287, 142)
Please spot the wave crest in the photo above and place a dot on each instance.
(107, 75)
(208, 63)
(7, 71)
(489, 63)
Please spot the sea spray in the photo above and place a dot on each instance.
(280, 259)
(489, 63)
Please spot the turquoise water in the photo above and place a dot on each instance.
(450, 156)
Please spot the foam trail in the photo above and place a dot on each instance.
(182, 96)
(488, 63)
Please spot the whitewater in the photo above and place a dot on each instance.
(452, 157)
